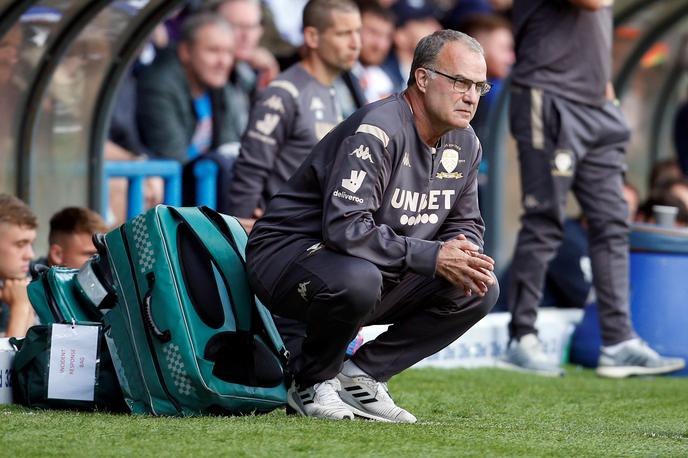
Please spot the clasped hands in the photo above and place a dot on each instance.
(461, 264)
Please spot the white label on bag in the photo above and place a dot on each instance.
(73, 353)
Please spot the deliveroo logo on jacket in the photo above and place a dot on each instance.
(354, 183)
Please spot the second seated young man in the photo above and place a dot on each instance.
(381, 225)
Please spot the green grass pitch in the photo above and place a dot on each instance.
(479, 412)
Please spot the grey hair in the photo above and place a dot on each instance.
(429, 47)
(196, 22)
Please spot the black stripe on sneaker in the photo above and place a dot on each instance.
(360, 395)
(310, 401)
(368, 401)
(353, 388)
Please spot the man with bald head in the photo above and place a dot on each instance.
(254, 66)
(381, 225)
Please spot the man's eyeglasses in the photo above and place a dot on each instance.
(463, 85)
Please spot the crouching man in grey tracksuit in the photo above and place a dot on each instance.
(381, 225)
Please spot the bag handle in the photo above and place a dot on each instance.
(162, 336)
(225, 257)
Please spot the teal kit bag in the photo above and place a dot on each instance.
(187, 336)
(56, 297)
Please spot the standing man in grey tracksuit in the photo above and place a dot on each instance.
(381, 224)
(571, 137)
(297, 109)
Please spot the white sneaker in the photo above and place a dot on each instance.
(527, 355)
(368, 398)
(320, 400)
(635, 357)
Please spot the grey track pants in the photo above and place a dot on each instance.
(333, 295)
(566, 146)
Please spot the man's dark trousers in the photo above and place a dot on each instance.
(335, 294)
(567, 146)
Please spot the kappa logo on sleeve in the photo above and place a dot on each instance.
(362, 152)
(311, 250)
(406, 162)
(275, 103)
(354, 183)
(266, 125)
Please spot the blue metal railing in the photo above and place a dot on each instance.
(205, 172)
(212, 172)
(136, 172)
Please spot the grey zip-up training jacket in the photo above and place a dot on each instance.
(372, 189)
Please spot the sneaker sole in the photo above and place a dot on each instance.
(629, 371)
(370, 416)
(367, 415)
(515, 368)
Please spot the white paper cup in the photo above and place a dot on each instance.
(665, 215)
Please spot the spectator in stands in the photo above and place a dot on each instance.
(377, 30)
(124, 136)
(663, 172)
(571, 137)
(184, 105)
(254, 66)
(493, 32)
(17, 233)
(414, 20)
(70, 236)
(679, 188)
(349, 241)
(297, 109)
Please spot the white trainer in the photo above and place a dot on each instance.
(635, 357)
(527, 355)
(368, 398)
(320, 400)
